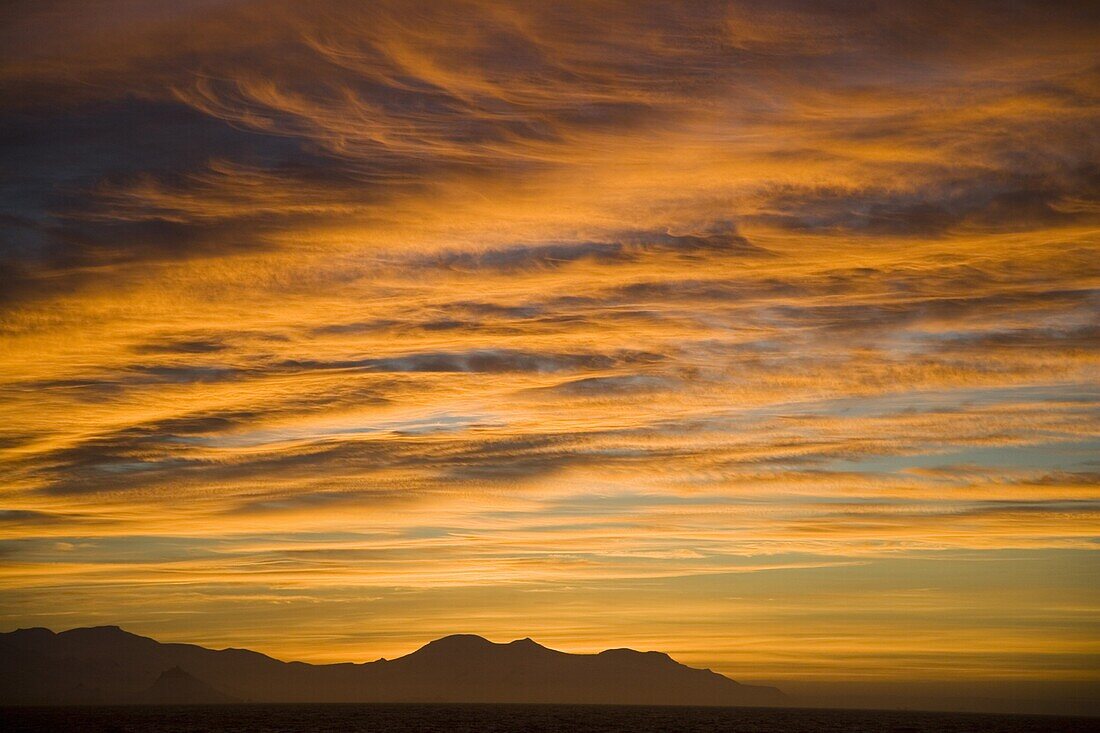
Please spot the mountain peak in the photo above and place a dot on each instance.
(466, 643)
(97, 631)
(103, 635)
(33, 631)
(177, 686)
(628, 652)
(458, 642)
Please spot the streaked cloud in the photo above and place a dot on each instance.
(663, 309)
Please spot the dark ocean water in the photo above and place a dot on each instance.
(516, 718)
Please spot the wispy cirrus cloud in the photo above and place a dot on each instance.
(462, 303)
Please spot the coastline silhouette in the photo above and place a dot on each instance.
(107, 665)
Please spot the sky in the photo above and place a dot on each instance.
(760, 333)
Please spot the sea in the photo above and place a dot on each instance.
(448, 718)
(515, 719)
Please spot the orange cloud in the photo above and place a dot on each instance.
(424, 310)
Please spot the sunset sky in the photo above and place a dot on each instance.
(766, 334)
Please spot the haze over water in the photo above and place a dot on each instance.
(764, 334)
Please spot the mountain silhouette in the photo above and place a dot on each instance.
(176, 687)
(108, 665)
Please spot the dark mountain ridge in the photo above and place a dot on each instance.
(108, 665)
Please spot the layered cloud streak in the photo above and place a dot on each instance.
(445, 297)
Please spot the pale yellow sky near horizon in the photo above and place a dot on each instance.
(763, 334)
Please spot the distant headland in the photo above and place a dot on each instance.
(107, 665)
